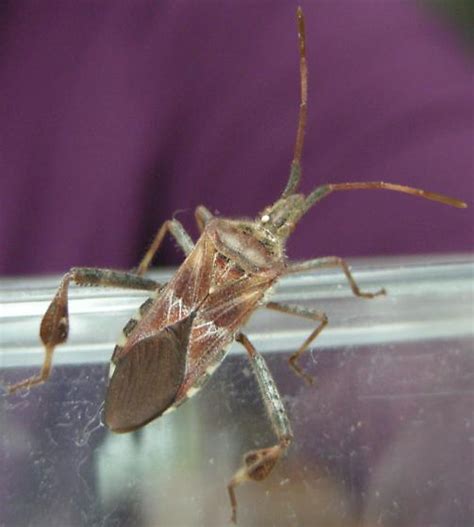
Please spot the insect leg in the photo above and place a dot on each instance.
(55, 324)
(202, 215)
(328, 262)
(179, 234)
(303, 312)
(257, 464)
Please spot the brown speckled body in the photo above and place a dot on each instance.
(224, 279)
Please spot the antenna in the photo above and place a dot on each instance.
(295, 172)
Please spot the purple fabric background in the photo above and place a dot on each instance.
(114, 115)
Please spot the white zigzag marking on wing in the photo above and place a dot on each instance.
(210, 329)
(175, 303)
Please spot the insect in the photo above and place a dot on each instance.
(181, 333)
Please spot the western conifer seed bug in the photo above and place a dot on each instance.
(182, 332)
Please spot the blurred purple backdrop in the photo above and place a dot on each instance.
(115, 115)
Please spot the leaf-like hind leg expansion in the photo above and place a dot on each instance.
(55, 324)
(203, 215)
(330, 262)
(303, 312)
(179, 234)
(258, 464)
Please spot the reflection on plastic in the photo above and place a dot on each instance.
(385, 438)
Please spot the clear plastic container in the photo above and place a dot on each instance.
(383, 438)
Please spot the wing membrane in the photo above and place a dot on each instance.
(146, 379)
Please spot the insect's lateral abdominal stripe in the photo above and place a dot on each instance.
(130, 326)
(211, 369)
(122, 340)
(146, 306)
(192, 391)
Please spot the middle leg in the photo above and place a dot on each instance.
(310, 314)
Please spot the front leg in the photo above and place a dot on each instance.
(203, 216)
(55, 324)
(258, 464)
(331, 262)
(179, 234)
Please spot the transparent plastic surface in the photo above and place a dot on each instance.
(384, 438)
